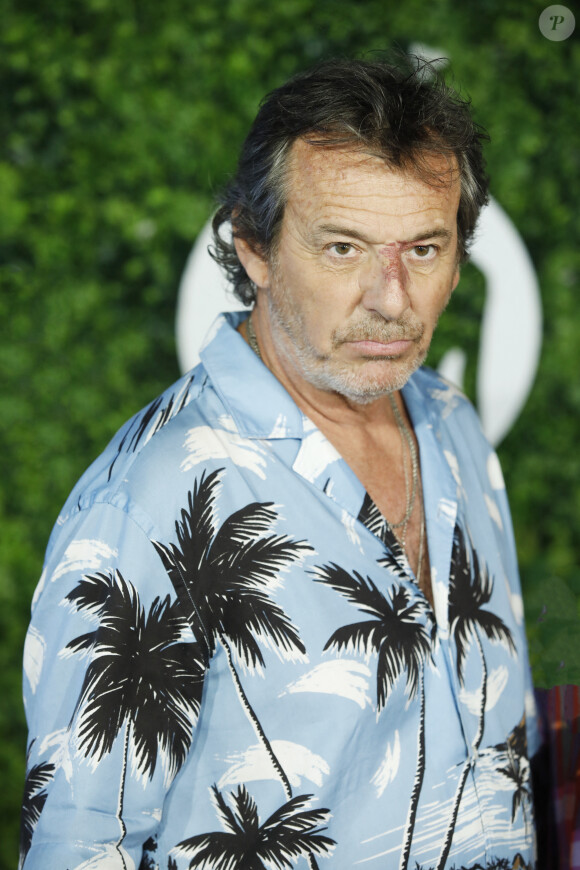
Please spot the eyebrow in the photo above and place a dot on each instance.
(338, 230)
(437, 233)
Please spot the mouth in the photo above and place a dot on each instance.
(368, 348)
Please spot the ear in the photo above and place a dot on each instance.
(255, 264)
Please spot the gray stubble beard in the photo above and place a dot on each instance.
(343, 380)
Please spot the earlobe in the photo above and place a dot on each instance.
(254, 264)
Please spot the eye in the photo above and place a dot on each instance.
(425, 252)
(341, 248)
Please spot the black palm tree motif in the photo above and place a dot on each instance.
(518, 773)
(289, 833)
(394, 558)
(401, 642)
(151, 420)
(222, 576)
(517, 739)
(33, 802)
(143, 675)
(148, 859)
(470, 588)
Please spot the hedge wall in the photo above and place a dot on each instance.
(120, 119)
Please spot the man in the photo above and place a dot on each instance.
(280, 621)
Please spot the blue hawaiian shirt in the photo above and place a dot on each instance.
(231, 665)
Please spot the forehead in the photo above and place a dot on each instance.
(327, 183)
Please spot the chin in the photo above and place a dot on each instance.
(364, 387)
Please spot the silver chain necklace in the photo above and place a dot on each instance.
(407, 438)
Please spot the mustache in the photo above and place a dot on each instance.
(383, 332)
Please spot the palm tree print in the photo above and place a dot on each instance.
(148, 860)
(142, 676)
(33, 802)
(394, 559)
(151, 420)
(518, 773)
(292, 832)
(222, 576)
(470, 588)
(402, 645)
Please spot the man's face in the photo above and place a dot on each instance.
(365, 263)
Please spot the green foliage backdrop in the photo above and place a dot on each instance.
(120, 119)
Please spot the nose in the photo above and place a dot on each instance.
(385, 284)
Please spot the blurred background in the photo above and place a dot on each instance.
(120, 119)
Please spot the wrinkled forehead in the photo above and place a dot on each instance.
(320, 176)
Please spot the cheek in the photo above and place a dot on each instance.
(316, 300)
(432, 300)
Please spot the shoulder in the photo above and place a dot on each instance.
(149, 464)
(144, 447)
(127, 496)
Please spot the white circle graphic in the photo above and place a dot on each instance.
(511, 327)
(557, 23)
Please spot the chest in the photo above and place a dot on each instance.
(389, 469)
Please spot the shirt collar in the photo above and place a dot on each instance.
(256, 400)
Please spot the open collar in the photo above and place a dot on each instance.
(255, 399)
